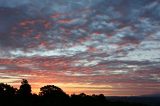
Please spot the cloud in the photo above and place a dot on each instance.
(45, 53)
(96, 43)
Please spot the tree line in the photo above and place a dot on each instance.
(50, 95)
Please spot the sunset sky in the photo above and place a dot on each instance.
(92, 46)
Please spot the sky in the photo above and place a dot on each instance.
(92, 46)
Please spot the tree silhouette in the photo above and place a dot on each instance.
(51, 90)
(6, 90)
(51, 95)
(25, 88)
(54, 95)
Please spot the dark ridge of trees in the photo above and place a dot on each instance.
(51, 95)
(7, 90)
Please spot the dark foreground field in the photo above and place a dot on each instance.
(147, 100)
(68, 101)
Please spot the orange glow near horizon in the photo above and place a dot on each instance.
(70, 88)
(77, 88)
